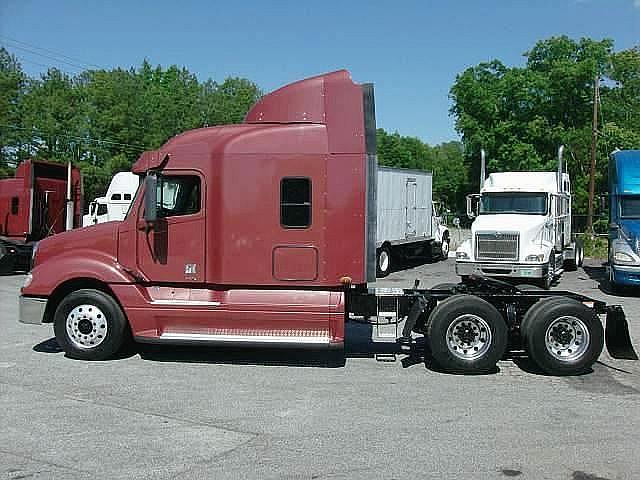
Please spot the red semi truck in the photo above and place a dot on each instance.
(264, 233)
(35, 204)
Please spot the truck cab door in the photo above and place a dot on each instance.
(173, 248)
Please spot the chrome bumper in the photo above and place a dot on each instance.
(501, 269)
(32, 309)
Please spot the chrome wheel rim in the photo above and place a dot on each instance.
(384, 261)
(86, 326)
(567, 338)
(468, 337)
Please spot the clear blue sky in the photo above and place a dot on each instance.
(411, 50)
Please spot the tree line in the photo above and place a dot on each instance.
(103, 119)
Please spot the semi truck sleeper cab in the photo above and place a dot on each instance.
(264, 233)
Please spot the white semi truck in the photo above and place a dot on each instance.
(409, 224)
(522, 227)
(115, 204)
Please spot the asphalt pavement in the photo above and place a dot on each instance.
(217, 413)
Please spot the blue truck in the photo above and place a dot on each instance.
(624, 219)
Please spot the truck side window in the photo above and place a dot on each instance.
(102, 209)
(179, 195)
(127, 196)
(295, 202)
(15, 202)
(116, 196)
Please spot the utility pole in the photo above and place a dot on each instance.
(594, 140)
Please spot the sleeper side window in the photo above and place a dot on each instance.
(15, 203)
(179, 195)
(295, 202)
(116, 197)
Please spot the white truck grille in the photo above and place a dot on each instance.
(497, 246)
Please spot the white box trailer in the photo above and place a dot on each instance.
(408, 224)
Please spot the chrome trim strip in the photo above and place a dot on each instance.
(185, 303)
(205, 337)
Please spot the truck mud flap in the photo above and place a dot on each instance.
(616, 335)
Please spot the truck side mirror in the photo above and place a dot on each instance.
(472, 205)
(150, 198)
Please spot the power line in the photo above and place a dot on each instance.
(82, 139)
(57, 54)
(34, 52)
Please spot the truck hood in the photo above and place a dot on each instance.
(101, 239)
(528, 225)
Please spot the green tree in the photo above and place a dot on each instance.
(520, 115)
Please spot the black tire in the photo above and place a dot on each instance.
(578, 259)
(384, 261)
(452, 312)
(444, 247)
(90, 306)
(558, 313)
(547, 280)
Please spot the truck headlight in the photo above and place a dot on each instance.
(462, 256)
(535, 258)
(621, 257)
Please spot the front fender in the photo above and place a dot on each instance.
(77, 264)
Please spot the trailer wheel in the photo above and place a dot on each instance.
(90, 325)
(383, 261)
(562, 336)
(466, 334)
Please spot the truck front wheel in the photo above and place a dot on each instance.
(466, 334)
(90, 325)
(562, 336)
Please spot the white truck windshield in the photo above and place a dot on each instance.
(520, 203)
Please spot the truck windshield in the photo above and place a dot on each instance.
(630, 207)
(521, 203)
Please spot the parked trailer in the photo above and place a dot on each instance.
(286, 262)
(408, 226)
(624, 219)
(42, 199)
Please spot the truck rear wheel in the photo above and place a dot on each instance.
(466, 334)
(562, 336)
(90, 325)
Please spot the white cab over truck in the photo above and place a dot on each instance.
(522, 227)
(115, 204)
(408, 222)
